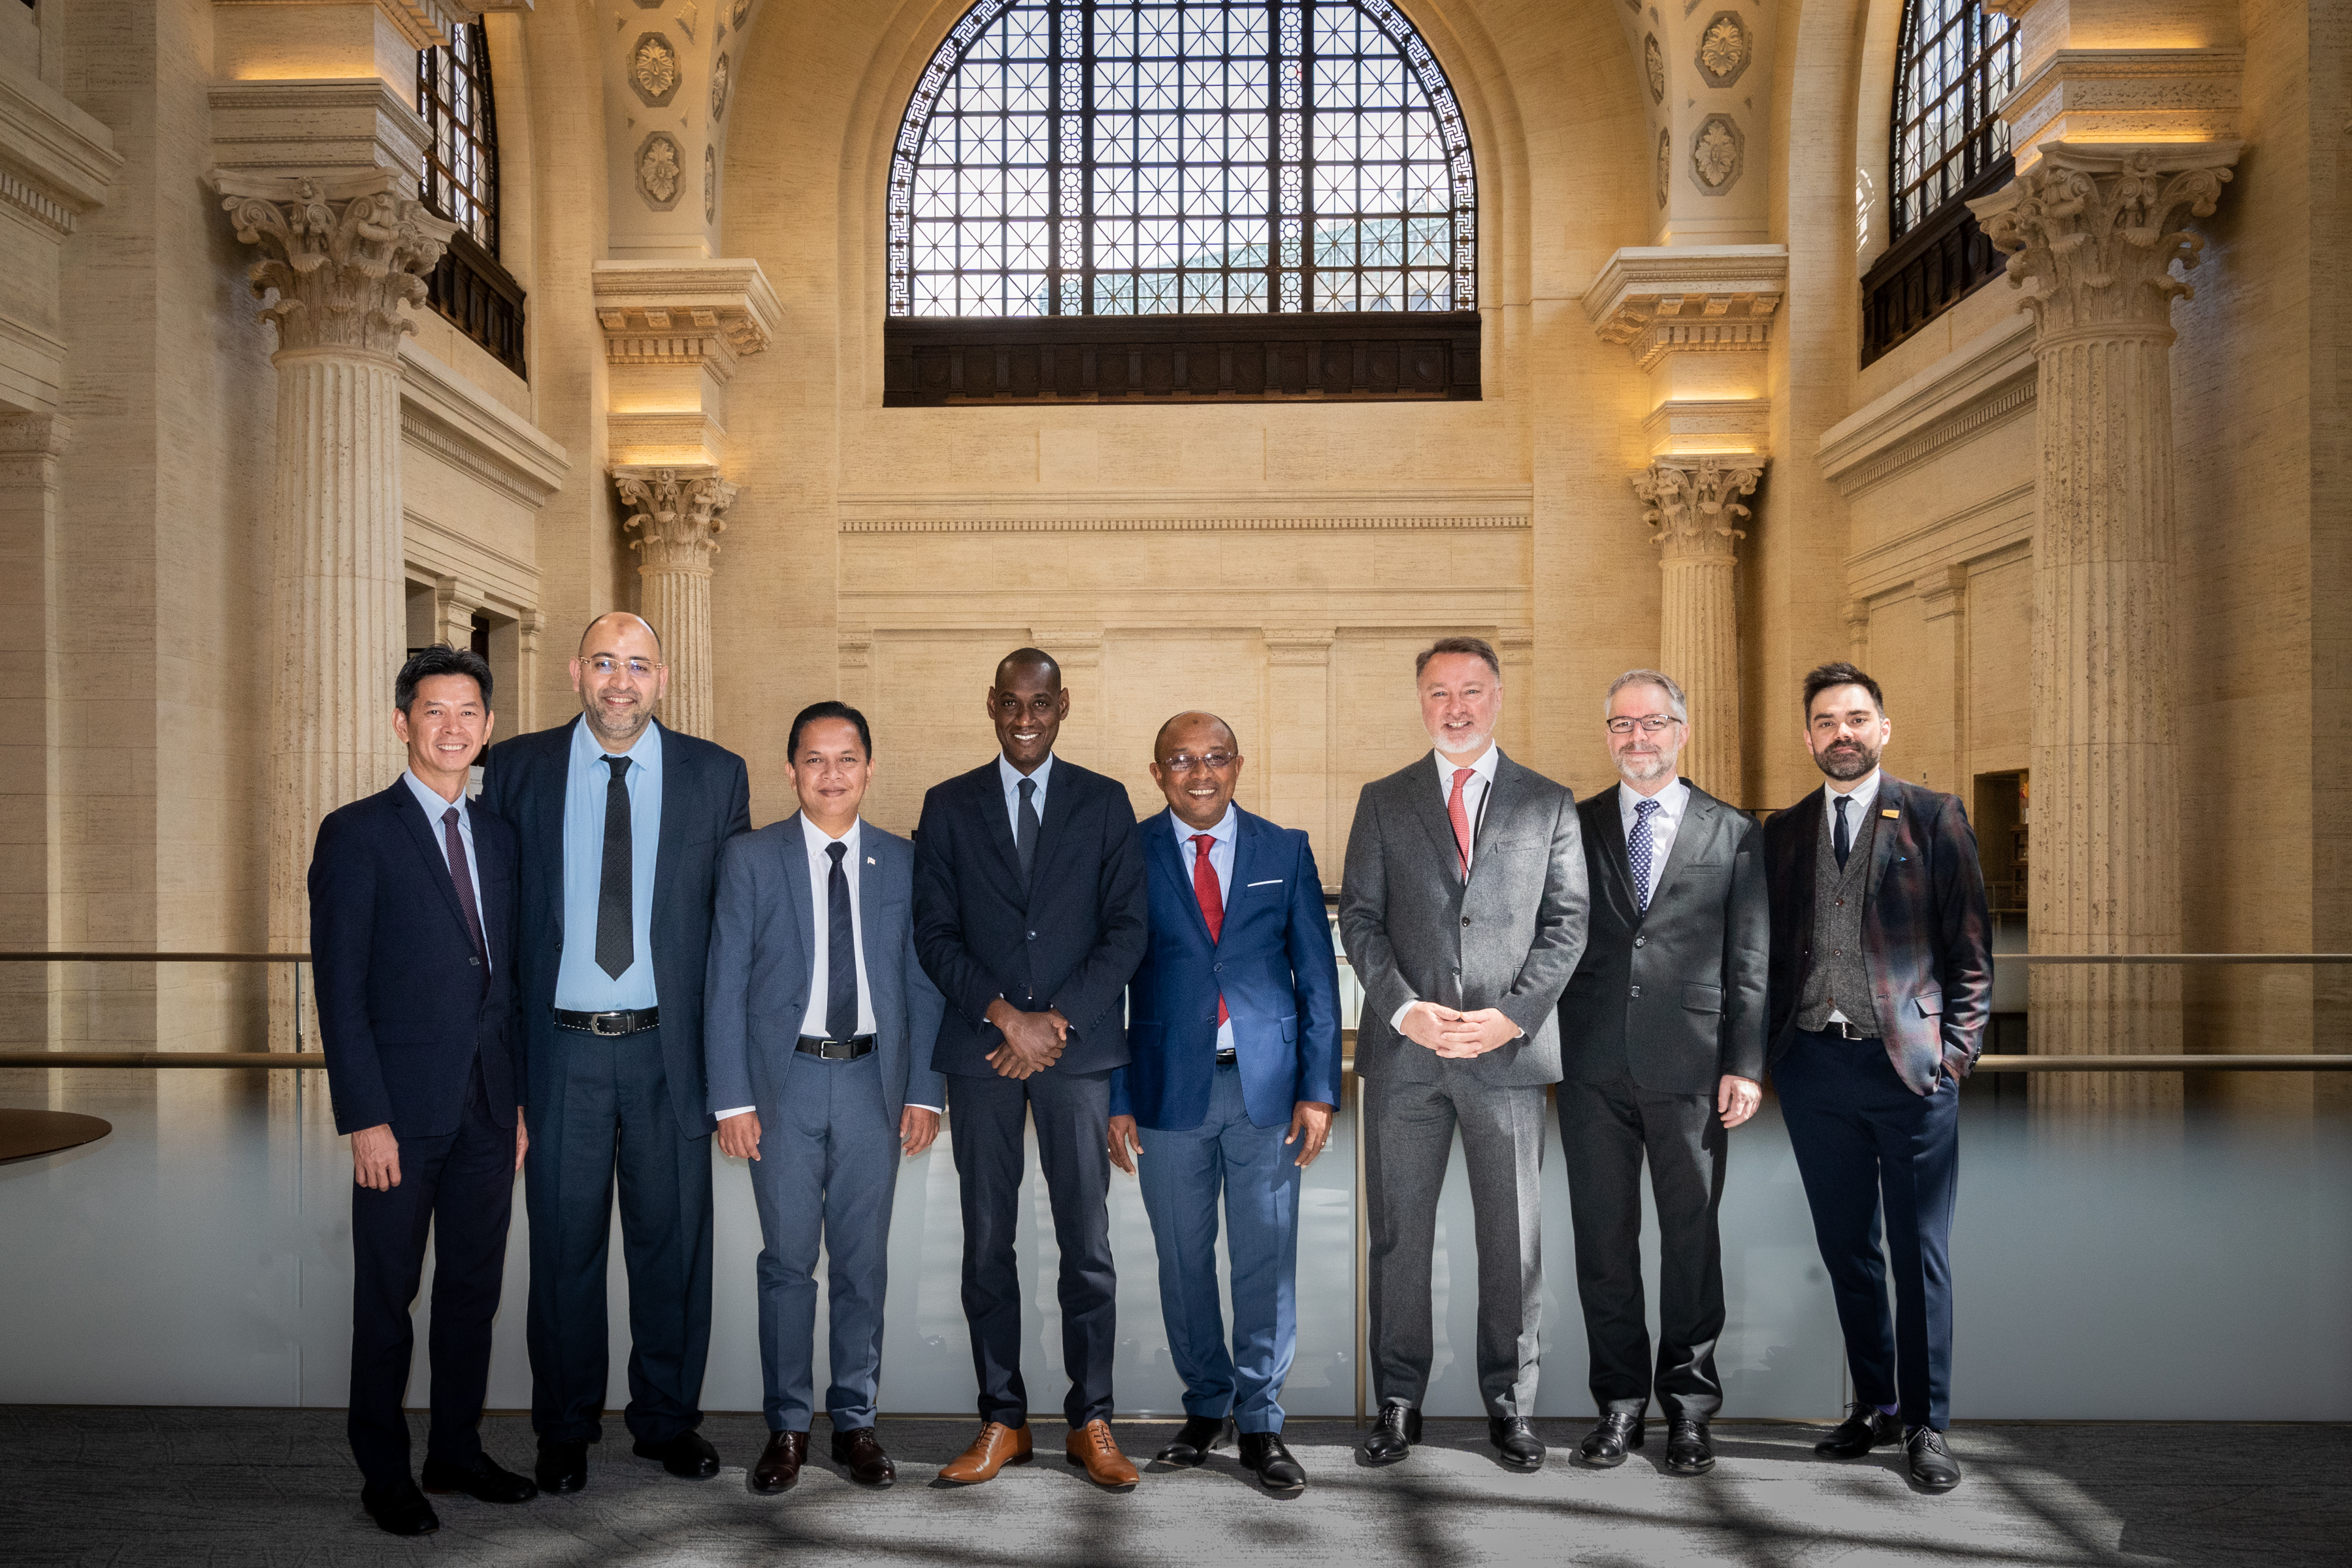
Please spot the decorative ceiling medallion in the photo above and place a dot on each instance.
(1717, 152)
(1724, 49)
(1665, 164)
(661, 171)
(1653, 60)
(653, 69)
(687, 17)
(709, 183)
(717, 88)
(742, 9)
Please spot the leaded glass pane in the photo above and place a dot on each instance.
(1956, 62)
(461, 161)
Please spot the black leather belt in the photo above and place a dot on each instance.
(1843, 1029)
(847, 1050)
(1225, 1059)
(627, 1022)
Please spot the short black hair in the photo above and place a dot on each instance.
(826, 710)
(1477, 646)
(425, 663)
(1841, 674)
(1029, 658)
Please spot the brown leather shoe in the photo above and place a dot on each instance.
(996, 1447)
(861, 1449)
(1092, 1446)
(780, 1463)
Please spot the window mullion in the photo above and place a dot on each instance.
(1291, 151)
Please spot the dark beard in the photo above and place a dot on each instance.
(1847, 768)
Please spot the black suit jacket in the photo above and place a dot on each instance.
(1070, 942)
(706, 801)
(1676, 994)
(1925, 926)
(403, 1009)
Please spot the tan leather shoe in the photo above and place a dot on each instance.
(996, 1447)
(1092, 1446)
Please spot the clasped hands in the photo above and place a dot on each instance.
(1033, 1041)
(1451, 1033)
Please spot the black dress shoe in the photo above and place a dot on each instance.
(688, 1455)
(1689, 1451)
(488, 1481)
(779, 1465)
(1394, 1432)
(1515, 1441)
(1264, 1456)
(1866, 1428)
(399, 1510)
(860, 1448)
(1193, 1439)
(1615, 1434)
(561, 1466)
(1932, 1467)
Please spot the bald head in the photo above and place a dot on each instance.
(615, 624)
(1195, 729)
(1029, 662)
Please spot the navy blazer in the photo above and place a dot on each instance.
(403, 1009)
(1925, 926)
(763, 948)
(706, 801)
(1070, 942)
(1272, 963)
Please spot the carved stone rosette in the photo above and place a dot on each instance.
(343, 254)
(2092, 234)
(675, 512)
(1692, 506)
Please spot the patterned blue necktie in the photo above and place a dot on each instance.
(1637, 850)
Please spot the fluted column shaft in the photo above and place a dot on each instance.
(1692, 509)
(675, 510)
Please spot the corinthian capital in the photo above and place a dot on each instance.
(1691, 503)
(676, 511)
(342, 254)
(2092, 231)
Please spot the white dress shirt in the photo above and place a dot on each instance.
(1864, 795)
(1221, 861)
(1474, 806)
(1012, 777)
(435, 808)
(1665, 823)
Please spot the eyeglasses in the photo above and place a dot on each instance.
(1652, 725)
(1215, 762)
(640, 668)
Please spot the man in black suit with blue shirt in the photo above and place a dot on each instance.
(412, 943)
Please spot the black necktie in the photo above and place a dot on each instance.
(1844, 842)
(461, 877)
(841, 953)
(616, 937)
(1024, 841)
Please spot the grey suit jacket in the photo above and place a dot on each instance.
(763, 962)
(1508, 940)
(1673, 995)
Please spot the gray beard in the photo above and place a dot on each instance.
(1658, 767)
(589, 716)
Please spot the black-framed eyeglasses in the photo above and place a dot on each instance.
(1215, 762)
(1653, 724)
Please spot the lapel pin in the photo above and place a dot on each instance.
(1889, 811)
(869, 859)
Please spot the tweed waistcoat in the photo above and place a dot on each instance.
(1839, 976)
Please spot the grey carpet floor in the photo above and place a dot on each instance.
(276, 1489)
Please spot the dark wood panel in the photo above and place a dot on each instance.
(480, 299)
(1927, 272)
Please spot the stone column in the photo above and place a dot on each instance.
(676, 511)
(2091, 235)
(32, 803)
(341, 255)
(1691, 507)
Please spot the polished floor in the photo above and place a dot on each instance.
(183, 1487)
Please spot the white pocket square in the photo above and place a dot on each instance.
(1276, 882)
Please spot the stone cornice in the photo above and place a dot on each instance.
(1662, 299)
(56, 162)
(474, 434)
(1984, 382)
(2125, 95)
(315, 127)
(685, 312)
(1177, 524)
(424, 24)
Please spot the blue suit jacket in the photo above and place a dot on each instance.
(1069, 941)
(1274, 964)
(403, 1011)
(706, 801)
(763, 951)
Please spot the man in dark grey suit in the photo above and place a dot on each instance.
(1662, 1050)
(817, 1030)
(1463, 910)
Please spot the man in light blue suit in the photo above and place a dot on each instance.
(1234, 1023)
(818, 1029)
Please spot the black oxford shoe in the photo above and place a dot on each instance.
(561, 1466)
(1515, 1441)
(1264, 1456)
(400, 1508)
(688, 1455)
(859, 1449)
(1394, 1432)
(1615, 1434)
(779, 1464)
(1193, 1439)
(1866, 1428)
(488, 1481)
(1932, 1467)
(1689, 1451)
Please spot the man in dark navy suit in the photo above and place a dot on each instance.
(1029, 917)
(620, 822)
(411, 943)
(1233, 1027)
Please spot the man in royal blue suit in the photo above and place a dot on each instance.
(1234, 1031)
(620, 822)
(411, 943)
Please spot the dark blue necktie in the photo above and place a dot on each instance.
(616, 926)
(1024, 841)
(1843, 841)
(1639, 848)
(841, 952)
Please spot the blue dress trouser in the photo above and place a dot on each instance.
(1182, 1175)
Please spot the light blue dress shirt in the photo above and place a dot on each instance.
(1010, 776)
(435, 808)
(1221, 861)
(580, 986)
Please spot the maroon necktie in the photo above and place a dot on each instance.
(462, 879)
(1212, 900)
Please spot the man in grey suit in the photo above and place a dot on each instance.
(818, 1027)
(1662, 1050)
(1463, 910)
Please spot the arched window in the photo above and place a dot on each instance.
(470, 287)
(1125, 158)
(1956, 62)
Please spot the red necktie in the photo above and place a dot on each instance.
(1459, 810)
(1212, 900)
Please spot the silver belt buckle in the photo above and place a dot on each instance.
(596, 1021)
